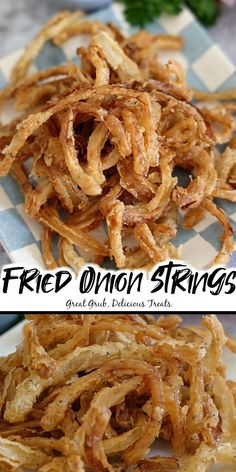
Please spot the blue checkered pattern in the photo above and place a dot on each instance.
(207, 69)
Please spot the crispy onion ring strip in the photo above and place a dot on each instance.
(114, 221)
(86, 182)
(227, 245)
(47, 249)
(84, 241)
(18, 408)
(50, 30)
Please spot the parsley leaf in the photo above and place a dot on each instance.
(140, 12)
(207, 11)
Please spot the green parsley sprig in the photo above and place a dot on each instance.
(141, 12)
(207, 11)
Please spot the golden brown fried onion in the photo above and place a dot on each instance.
(105, 139)
(93, 392)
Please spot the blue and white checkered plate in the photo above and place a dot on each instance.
(207, 69)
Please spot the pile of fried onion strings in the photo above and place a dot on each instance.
(91, 393)
(104, 140)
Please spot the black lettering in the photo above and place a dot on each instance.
(26, 277)
(121, 282)
(155, 278)
(9, 276)
(133, 279)
(159, 273)
(197, 281)
(45, 283)
(38, 283)
(231, 285)
(179, 277)
(109, 280)
(213, 281)
(68, 304)
(60, 283)
(87, 280)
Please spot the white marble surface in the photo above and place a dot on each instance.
(21, 19)
(224, 32)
